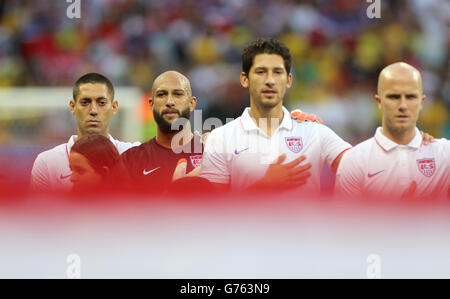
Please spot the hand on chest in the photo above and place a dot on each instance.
(255, 154)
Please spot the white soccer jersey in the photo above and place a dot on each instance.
(379, 166)
(239, 152)
(51, 170)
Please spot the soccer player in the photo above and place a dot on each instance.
(174, 153)
(152, 164)
(395, 163)
(93, 105)
(265, 149)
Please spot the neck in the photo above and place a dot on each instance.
(404, 137)
(267, 119)
(80, 134)
(183, 137)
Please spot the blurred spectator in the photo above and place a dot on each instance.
(338, 51)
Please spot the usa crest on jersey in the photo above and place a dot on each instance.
(196, 160)
(295, 144)
(426, 166)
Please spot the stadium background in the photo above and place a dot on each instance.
(338, 52)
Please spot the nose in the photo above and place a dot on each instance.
(170, 101)
(94, 109)
(270, 81)
(403, 106)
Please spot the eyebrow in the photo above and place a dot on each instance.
(265, 68)
(174, 90)
(96, 99)
(398, 95)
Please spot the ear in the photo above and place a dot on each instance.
(115, 107)
(378, 99)
(422, 101)
(72, 106)
(244, 80)
(150, 103)
(192, 103)
(289, 83)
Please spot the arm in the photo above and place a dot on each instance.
(337, 161)
(216, 161)
(333, 147)
(349, 177)
(40, 180)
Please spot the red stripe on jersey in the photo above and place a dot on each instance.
(379, 144)
(340, 154)
(240, 120)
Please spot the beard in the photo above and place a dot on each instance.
(175, 125)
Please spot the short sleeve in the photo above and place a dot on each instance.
(216, 161)
(331, 145)
(40, 179)
(349, 176)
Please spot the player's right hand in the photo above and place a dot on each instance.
(285, 176)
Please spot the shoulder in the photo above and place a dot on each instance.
(440, 143)
(138, 148)
(358, 153)
(229, 126)
(54, 153)
(50, 159)
(440, 146)
(361, 148)
(365, 145)
(226, 130)
(124, 146)
(313, 128)
(305, 125)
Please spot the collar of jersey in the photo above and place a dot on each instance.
(387, 144)
(72, 141)
(249, 125)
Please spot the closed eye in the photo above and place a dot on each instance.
(85, 101)
(278, 71)
(393, 96)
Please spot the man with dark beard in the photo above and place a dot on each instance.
(152, 164)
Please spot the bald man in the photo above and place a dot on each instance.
(396, 163)
(152, 164)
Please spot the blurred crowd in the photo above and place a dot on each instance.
(338, 51)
